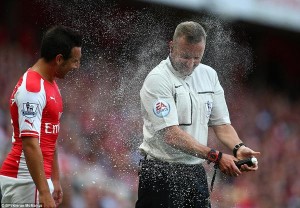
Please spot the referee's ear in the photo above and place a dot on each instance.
(171, 46)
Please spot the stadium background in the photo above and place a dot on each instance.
(101, 126)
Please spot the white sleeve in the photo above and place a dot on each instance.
(158, 105)
(30, 109)
(219, 114)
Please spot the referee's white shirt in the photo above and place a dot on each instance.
(193, 102)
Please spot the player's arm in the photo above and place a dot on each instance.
(57, 193)
(229, 137)
(34, 161)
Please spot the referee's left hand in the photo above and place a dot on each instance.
(245, 152)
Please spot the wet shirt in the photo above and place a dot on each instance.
(36, 108)
(193, 102)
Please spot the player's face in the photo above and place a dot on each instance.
(70, 64)
(185, 57)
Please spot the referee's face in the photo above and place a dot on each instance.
(185, 56)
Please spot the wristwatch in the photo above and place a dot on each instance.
(212, 156)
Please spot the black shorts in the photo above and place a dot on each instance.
(168, 185)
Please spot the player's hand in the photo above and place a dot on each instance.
(245, 152)
(46, 200)
(57, 193)
(228, 167)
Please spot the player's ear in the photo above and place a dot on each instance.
(59, 59)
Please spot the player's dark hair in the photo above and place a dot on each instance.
(59, 40)
(192, 31)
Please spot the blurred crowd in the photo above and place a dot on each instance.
(101, 129)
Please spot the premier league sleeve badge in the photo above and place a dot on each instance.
(29, 109)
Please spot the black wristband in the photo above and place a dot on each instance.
(219, 157)
(216, 166)
(236, 147)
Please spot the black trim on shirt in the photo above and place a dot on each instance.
(206, 92)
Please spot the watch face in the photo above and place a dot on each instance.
(212, 155)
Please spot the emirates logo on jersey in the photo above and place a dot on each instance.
(161, 108)
(29, 109)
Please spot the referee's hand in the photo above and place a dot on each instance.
(228, 167)
(244, 153)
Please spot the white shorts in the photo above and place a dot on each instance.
(19, 191)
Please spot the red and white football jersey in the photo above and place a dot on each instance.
(36, 108)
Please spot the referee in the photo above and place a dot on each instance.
(180, 99)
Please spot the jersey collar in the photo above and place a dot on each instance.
(171, 68)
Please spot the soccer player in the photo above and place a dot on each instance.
(30, 172)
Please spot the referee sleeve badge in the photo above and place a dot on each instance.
(161, 108)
